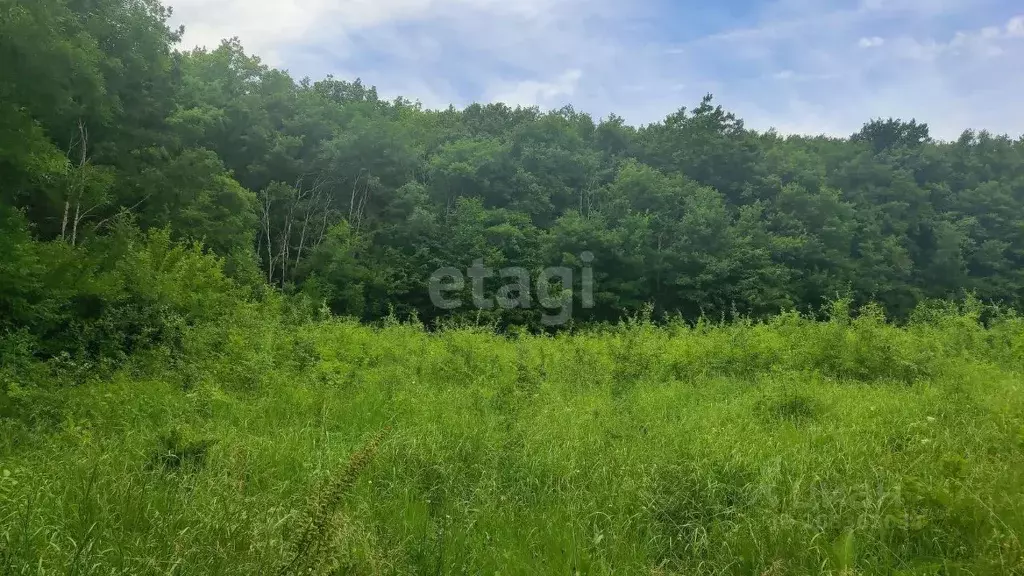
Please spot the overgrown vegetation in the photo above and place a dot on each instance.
(796, 446)
(218, 354)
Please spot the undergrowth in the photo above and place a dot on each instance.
(794, 446)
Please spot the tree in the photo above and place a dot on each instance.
(882, 135)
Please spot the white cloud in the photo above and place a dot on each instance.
(952, 81)
(799, 65)
(908, 48)
(534, 93)
(1015, 27)
(986, 42)
(266, 27)
(919, 8)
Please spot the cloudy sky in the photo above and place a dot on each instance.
(803, 66)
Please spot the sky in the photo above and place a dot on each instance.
(798, 66)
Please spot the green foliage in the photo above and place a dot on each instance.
(337, 277)
(803, 356)
(314, 549)
(176, 452)
(704, 449)
(194, 195)
(86, 308)
(103, 120)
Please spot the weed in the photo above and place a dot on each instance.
(846, 446)
(315, 549)
(177, 451)
(797, 408)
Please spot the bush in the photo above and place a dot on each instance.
(82, 309)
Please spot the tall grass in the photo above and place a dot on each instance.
(850, 446)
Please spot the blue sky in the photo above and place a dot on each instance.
(799, 66)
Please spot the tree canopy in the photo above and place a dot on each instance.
(110, 134)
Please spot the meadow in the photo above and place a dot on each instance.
(793, 446)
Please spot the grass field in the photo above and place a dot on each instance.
(791, 447)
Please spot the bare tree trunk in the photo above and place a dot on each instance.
(78, 190)
(75, 193)
(311, 206)
(286, 234)
(64, 222)
(362, 205)
(129, 210)
(267, 206)
(355, 192)
(306, 214)
(74, 226)
(300, 196)
(323, 227)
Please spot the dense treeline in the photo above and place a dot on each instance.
(114, 144)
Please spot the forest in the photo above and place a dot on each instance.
(324, 190)
(219, 351)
